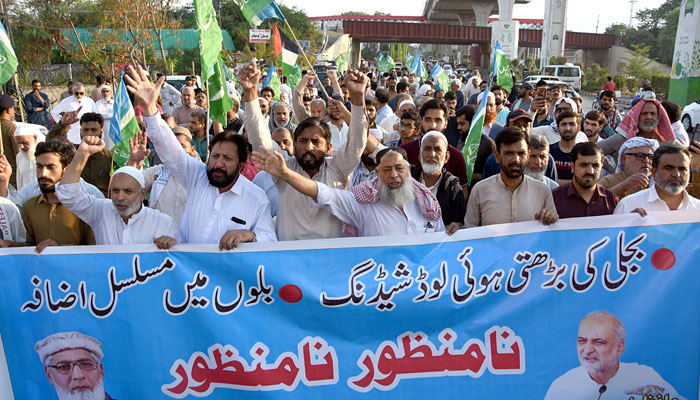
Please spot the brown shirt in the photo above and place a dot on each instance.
(570, 204)
(10, 147)
(97, 170)
(183, 115)
(53, 221)
(610, 181)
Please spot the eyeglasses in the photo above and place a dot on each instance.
(405, 126)
(641, 156)
(79, 93)
(67, 367)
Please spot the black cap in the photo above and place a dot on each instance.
(517, 114)
(526, 85)
(6, 101)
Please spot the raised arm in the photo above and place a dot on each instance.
(5, 174)
(332, 75)
(276, 166)
(348, 156)
(256, 129)
(71, 192)
(184, 168)
(298, 97)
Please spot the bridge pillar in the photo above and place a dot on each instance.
(482, 10)
(553, 30)
(685, 72)
(475, 56)
(355, 53)
(505, 30)
(505, 10)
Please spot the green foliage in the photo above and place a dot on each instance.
(656, 28)
(637, 64)
(559, 60)
(595, 78)
(660, 84)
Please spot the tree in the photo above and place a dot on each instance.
(637, 64)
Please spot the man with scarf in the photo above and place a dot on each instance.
(633, 171)
(393, 203)
(647, 119)
(281, 117)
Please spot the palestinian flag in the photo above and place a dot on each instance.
(286, 51)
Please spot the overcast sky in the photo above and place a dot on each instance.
(582, 14)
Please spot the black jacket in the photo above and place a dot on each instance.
(449, 195)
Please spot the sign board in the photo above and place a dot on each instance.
(259, 35)
(506, 33)
(685, 74)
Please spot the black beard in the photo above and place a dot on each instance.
(311, 165)
(221, 182)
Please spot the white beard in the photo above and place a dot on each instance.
(399, 196)
(430, 169)
(96, 393)
(532, 174)
(132, 209)
(26, 168)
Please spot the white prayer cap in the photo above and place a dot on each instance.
(438, 134)
(403, 103)
(105, 86)
(633, 143)
(424, 89)
(481, 96)
(25, 129)
(65, 341)
(571, 102)
(132, 172)
(454, 81)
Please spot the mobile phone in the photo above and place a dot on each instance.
(542, 91)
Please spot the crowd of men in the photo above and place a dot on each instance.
(360, 154)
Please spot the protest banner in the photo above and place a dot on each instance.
(492, 312)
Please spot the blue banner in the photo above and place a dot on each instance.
(595, 308)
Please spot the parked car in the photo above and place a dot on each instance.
(178, 81)
(533, 79)
(568, 73)
(690, 116)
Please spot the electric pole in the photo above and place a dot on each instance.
(631, 10)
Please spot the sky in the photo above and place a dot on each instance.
(582, 14)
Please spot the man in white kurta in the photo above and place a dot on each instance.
(600, 343)
(297, 217)
(670, 168)
(27, 136)
(123, 219)
(11, 226)
(72, 103)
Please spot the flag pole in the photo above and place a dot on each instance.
(304, 54)
(206, 123)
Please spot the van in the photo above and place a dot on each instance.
(568, 73)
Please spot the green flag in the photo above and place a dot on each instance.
(8, 59)
(272, 81)
(209, 33)
(219, 101)
(342, 62)
(471, 146)
(123, 126)
(251, 9)
(293, 74)
(440, 77)
(386, 64)
(504, 77)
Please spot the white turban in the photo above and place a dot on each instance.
(424, 89)
(437, 134)
(572, 103)
(633, 143)
(406, 102)
(481, 96)
(25, 129)
(132, 172)
(66, 341)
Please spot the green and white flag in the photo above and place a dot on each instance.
(256, 11)
(386, 63)
(293, 74)
(210, 38)
(123, 126)
(8, 59)
(272, 81)
(502, 68)
(440, 77)
(219, 101)
(342, 62)
(210, 42)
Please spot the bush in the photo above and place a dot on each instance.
(659, 83)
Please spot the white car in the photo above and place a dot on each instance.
(533, 79)
(690, 116)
